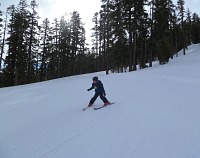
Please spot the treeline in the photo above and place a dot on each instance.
(37, 52)
(126, 34)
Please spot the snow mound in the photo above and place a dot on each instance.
(155, 115)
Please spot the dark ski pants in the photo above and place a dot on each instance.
(104, 99)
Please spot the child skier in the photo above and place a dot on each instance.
(99, 91)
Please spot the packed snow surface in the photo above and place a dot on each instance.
(156, 115)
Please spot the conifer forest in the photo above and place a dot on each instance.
(127, 35)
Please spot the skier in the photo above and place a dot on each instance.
(99, 91)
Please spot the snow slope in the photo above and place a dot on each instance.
(156, 115)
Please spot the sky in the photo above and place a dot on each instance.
(56, 8)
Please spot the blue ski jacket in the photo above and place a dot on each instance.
(98, 86)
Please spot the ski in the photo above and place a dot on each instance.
(98, 107)
(85, 108)
(103, 106)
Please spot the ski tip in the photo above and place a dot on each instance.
(85, 109)
(112, 103)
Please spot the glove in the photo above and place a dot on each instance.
(88, 89)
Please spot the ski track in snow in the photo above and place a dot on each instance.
(155, 115)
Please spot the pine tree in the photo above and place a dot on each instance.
(195, 33)
(77, 40)
(106, 35)
(119, 49)
(11, 55)
(102, 38)
(95, 39)
(188, 27)
(161, 28)
(151, 32)
(16, 61)
(32, 41)
(174, 31)
(119, 20)
(46, 38)
(21, 27)
(1, 43)
(172, 26)
(181, 15)
(55, 56)
(135, 17)
(142, 25)
(65, 46)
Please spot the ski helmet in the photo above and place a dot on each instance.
(95, 78)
